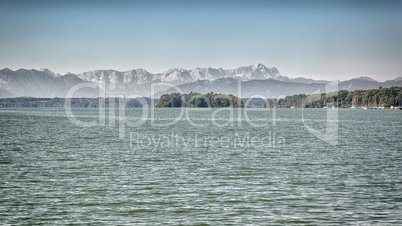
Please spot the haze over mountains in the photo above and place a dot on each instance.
(245, 81)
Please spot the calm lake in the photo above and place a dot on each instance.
(176, 166)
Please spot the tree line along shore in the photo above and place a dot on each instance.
(381, 98)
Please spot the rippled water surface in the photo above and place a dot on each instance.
(212, 167)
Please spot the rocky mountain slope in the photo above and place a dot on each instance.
(255, 79)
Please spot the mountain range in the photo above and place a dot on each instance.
(253, 80)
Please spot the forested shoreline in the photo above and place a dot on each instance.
(382, 98)
(198, 100)
(21, 102)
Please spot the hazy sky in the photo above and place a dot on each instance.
(316, 39)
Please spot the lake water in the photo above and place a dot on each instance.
(207, 167)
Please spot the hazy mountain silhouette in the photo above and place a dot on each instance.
(255, 79)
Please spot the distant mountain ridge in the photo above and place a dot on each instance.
(37, 83)
(256, 79)
(179, 76)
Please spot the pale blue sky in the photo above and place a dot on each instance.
(316, 39)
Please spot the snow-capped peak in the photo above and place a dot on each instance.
(49, 72)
